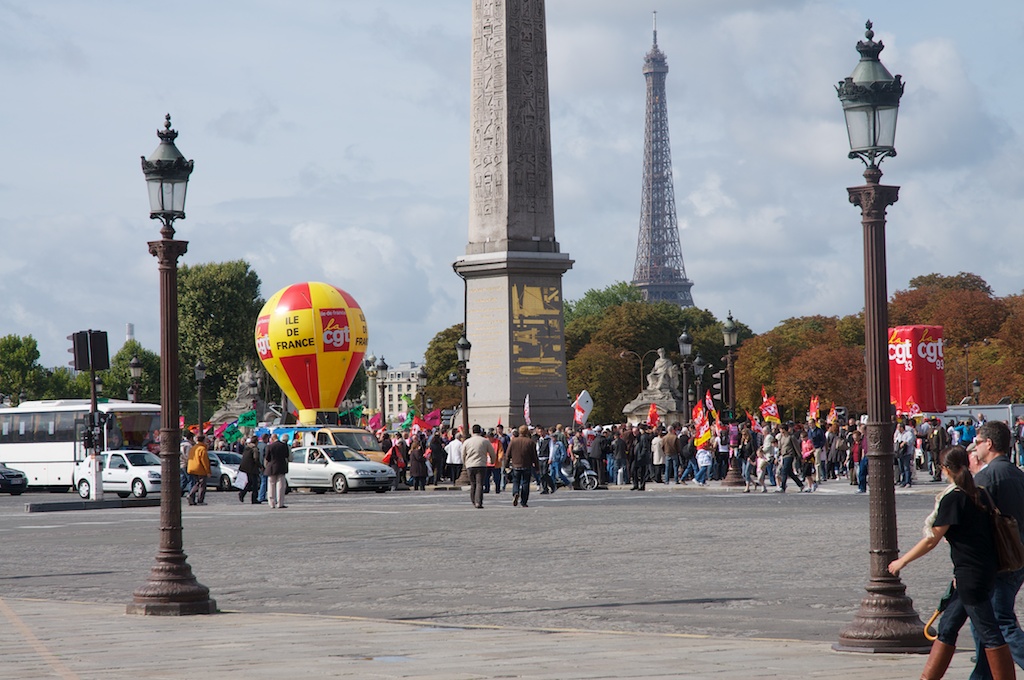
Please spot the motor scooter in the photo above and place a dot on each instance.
(581, 474)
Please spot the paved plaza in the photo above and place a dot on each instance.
(673, 582)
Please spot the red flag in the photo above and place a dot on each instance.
(764, 395)
(702, 428)
(770, 411)
(754, 425)
(499, 420)
(709, 403)
(652, 416)
(419, 422)
(375, 422)
(813, 410)
(832, 415)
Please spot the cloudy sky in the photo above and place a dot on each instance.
(330, 140)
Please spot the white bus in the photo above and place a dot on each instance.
(43, 439)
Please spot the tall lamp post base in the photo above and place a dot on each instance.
(734, 477)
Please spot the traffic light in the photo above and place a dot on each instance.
(89, 349)
(720, 386)
(79, 350)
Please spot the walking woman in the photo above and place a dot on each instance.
(747, 452)
(962, 517)
(417, 466)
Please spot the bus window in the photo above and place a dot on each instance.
(5, 427)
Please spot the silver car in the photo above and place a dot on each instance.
(124, 472)
(336, 467)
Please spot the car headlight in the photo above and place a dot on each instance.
(153, 475)
(363, 473)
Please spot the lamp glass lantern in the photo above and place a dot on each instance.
(135, 367)
(462, 348)
(382, 368)
(685, 344)
(167, 174)
(730, 333)
(871, 100)
(976, 387)
(200, 371)
(699, 365)
(421, 377)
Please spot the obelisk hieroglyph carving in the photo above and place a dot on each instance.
(513, 267)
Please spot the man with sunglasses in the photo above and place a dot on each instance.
(1005, 482)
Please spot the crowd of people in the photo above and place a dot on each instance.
(978, 458)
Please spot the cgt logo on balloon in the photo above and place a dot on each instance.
(917, 377)
(311, 338)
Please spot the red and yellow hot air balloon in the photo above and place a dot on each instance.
(311, 338)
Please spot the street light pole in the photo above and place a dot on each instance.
(172, 589)
(200, 371)
(886, 621)
(382, 374)
(730, 336)
(976, 389)
(462, 348)
(135, 367)
(685, 350)
(369, 365)
(421, 383)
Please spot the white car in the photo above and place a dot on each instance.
(336, 467)
(124, 472)
(223, 469)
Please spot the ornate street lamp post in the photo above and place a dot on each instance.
(698, 372)
(172, 590)
(382, 374)
(369, 365)
(886, 621)
(421, 384)
(730, 336)
(200, 371)
(135, 368)
(685, 351)
(976, 389)
(462, 348)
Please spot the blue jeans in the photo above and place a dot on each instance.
(906, 460)
(862, 474)
(556, 474)
(262, 497)
(769, 468)
(691, 470)
(521, 483)
(671, 469)
(983, 620)
(702, 474)
(1004, 595)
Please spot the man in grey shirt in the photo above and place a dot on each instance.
(1005, 482)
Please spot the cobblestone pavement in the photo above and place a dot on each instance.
(674, 582)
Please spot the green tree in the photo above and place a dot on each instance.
(594, 301)
(118, 379)
(962, 281)
(217, 308)
(441, 358)
(20, 372)
(610, 381)
(63, 383)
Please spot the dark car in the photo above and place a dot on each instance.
(12, 481)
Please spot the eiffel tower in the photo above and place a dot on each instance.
(659, 272)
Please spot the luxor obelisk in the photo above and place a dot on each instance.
(512, 267)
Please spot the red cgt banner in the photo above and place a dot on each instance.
(917, 377)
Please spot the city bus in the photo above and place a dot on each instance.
(44, 438)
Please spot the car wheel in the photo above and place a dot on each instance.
(340, 484)
(225, 483)
(16, 493)
(319, 492)
(123, 494)
(384, 490)
(84, 488)
(139, 488)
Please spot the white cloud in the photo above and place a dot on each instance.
(331, 143)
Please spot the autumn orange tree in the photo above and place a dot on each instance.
(801, 357)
